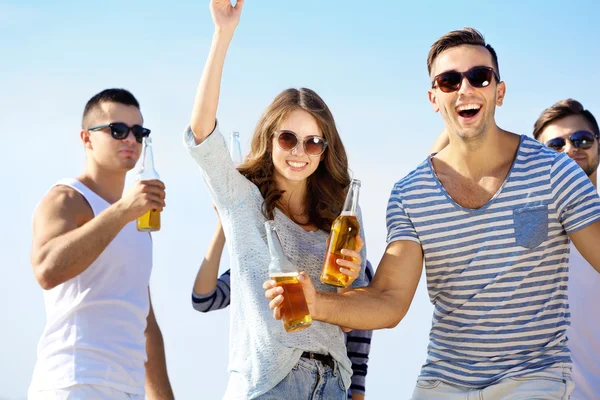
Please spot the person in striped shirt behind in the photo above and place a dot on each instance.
(568, 127)
(211, 293)
(490, 217)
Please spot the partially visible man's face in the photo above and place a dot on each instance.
(563, 128)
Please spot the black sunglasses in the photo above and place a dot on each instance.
(451, 81)
(288, 141)
(120, 131)
(580, 139)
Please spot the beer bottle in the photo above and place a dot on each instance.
(294, 311)
(235, 149)
(344, 231)
(150, 221)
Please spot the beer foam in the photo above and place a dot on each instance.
(348, 214)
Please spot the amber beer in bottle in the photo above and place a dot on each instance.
(150, 221)
(344, 232)
(294, 311)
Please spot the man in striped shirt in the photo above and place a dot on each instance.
(490, 216)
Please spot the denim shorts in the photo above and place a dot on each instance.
(309, 380)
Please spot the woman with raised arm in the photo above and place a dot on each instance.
(296, 175)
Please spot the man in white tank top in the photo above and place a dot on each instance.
(566, 126)
(101, 339)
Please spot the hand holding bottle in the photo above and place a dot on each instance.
(276, 293)
(350, 263)
(344, 242)
(143, 197)
(150, 221)
(292, 308)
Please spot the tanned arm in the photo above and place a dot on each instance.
(158, 386)
(67, 238)
(586, 240)
(382, 304)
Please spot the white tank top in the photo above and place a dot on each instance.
(95, 326)
(584, 332)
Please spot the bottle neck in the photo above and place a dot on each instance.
(147, 170)
(279, 262)
(236, 150)
(148, 158)
(351, 203)
(275, 247)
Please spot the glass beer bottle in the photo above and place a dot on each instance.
(235, 149)
(294, 310)
(344, 232)
(150, 221)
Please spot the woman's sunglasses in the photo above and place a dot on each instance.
(120, 131)
(451, 81)
(580, 139)
(288, 141)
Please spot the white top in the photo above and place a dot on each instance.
(584, 332)
(261, 352)
(95, 326)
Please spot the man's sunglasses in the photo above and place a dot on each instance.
(580, 139)
(288, 141)
(120, 131)
(451, 81)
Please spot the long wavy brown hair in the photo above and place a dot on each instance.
(327, 186)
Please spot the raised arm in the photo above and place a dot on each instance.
(210, 293)
(225, 18)
(206, 279)
(67, 237)
(382, 304)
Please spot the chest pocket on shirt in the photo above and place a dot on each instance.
(531, 225)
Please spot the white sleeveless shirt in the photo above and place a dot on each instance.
(95, 326)
(584, 332)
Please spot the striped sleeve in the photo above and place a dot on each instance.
(217, 299)
(577, 201)
(399, 226)
(358, 344)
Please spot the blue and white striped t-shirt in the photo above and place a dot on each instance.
(497, 275)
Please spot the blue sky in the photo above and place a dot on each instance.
(366, 59)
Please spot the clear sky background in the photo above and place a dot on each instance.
(367, 59)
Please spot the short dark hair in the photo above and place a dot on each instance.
(560, 110)
(121, 96)
(457, 38)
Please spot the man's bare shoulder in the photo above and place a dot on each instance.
(64, 202)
